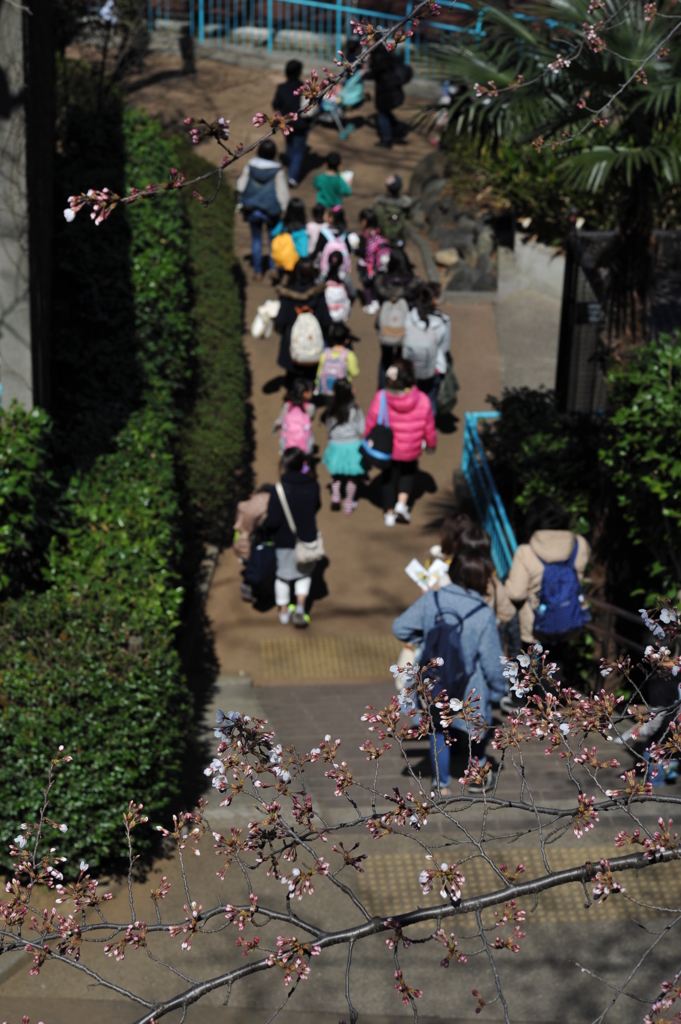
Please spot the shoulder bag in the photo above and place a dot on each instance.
(307, 551)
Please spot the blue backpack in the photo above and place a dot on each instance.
(560, 610)
(444, 641)
(260, 192)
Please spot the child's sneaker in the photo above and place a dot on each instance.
(300, 618)
(335, 506)
(349, 506)
(402, 512)
(389, 518)
(285, 616)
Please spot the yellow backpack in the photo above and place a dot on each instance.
(284, 252)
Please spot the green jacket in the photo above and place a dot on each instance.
(330, 189)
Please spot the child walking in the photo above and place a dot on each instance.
(343, 459)
(295, 419)
(338, 362)
(338, 301)
(330, 184)
(314, 226)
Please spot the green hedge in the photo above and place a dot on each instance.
(91, 662)
(27, 490)
(213, 445)
(641, 452)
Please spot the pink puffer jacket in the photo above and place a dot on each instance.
(411, 420)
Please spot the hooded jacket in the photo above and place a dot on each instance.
(524, 580)
(411, 420)
(264, 171)
(290, 298)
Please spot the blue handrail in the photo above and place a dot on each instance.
(484, 492)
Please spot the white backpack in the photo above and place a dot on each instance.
(337, 301)
(391, 319)
(420, 345)
(307, 341)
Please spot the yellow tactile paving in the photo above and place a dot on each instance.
(328, 657)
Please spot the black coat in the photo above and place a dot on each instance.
(383, 68)
(290, 299)
(302, 494)
(286, 103)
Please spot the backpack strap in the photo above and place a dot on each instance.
(573, 556)
(286, 508)
(441, 614)
(383, 418)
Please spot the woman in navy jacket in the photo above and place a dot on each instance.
(302, 494)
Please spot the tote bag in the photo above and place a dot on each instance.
(307, 551)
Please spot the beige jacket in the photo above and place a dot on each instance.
(249, 514)
(524, 580)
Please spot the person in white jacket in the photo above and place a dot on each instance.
(263, 195)
(427, 341)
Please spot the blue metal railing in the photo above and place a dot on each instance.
(484, 493)
(316, 29)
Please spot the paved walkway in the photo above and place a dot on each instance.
(319, 681)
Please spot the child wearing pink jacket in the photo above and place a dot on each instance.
(411, 420)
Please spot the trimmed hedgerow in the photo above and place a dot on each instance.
(213, 443)
(91, 662)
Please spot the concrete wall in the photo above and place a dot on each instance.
(26, 200)
(15, 301)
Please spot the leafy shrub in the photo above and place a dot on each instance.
(91, 662)
(26, 491)
(641, 449)
(535, 449)
(212, 445)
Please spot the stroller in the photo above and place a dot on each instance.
(340, 101)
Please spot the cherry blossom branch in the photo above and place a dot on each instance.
(102, 202)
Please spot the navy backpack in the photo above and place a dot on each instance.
(560, 610)
(261, 193)
(444, 641)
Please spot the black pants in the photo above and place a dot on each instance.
(398, 477)
(389, 353)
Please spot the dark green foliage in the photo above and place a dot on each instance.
(92, 661)
(641, 449)
(27, 491)
(536, 450)
(212, 446)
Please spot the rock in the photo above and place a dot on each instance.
(486, 241)
(452, 238)
(432, 165)
(433, 190)
(466, 222)
(417, 214)
(447, 257)
(464, 279)
(487, 281)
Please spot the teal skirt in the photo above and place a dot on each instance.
(343, 458)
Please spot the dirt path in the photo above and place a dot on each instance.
(365, 577)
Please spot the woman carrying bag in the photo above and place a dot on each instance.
(291, 523)
(410, 418)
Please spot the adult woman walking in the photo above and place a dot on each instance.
(301, 493)
(427, 340)
(410, 417)
(462, 605)
(301, 294)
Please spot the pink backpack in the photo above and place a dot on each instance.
(334, 367)
(296, 429)
(377, 254)
(337, 301)
(337, 244)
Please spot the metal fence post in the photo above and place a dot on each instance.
(270, 26)
(407, 45)
(150, 16)
(202, 20)
(339, 26)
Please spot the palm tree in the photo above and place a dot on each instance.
(601, 84)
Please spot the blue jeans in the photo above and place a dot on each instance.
(387, 122)
(295, 150)
(440, 754)
(257, 219)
